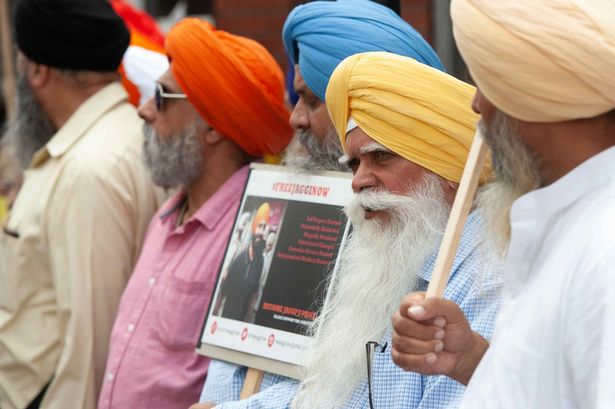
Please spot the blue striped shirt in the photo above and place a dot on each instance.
(474, 285)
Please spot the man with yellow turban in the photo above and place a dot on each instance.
(546, 95)
(220, 104)
(406, 130)
(317, 36)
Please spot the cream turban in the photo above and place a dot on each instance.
(540, 60)
(416, 111)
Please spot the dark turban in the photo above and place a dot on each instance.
(319, 35)
(71, 34)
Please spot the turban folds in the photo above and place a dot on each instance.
(320, 34)
(71, 34)
(418, 112)
(234, 83)
(540, 61)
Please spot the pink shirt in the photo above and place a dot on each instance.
(152, 361)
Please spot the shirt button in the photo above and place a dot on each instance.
(131, 327)
(110, 376)
(151, 281)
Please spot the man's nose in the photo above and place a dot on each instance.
(363, 179)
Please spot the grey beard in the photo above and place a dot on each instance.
(307, 153)
(176, 160)
(379, 264)
(29, 127)
(516, 171)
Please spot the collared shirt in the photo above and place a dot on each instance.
(554, 343)
(474, 284)
(67, 249)
(152, 361)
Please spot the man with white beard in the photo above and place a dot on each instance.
(406, 134)
(546, 95)
(404, 188)
(317, 37)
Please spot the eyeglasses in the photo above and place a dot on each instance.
(370, 348)
(160, 95)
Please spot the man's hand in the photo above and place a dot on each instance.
(204, 405)
(432, 337)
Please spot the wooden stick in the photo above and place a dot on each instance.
(7, 56)
(252, 383)
(459, 214)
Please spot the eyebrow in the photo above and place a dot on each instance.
(370, 147)
(374, 147)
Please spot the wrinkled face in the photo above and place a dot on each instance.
(173, 147)
(310, 113)
(377, 168)
(316, 145)
(176, 114)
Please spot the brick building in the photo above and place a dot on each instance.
(262, 20)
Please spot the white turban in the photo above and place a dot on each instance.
(540, 60)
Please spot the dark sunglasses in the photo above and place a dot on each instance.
(160, 95)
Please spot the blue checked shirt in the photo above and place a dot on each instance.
(474, 285)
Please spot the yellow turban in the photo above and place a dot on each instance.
(418, 112)
(540, 60)
(262, 214)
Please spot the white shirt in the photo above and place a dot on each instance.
(554, 342)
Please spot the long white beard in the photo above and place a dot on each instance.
(378, 266)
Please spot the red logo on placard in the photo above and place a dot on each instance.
(214, 327)
(271, 340)
(244, 334)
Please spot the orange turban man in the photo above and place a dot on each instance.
(242, 95)
(219, 105)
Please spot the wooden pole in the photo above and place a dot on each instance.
(7, 56)
(252, 383)
(459, 213)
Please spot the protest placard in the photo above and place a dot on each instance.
(273, 280)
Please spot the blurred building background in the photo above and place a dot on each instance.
(262, 20)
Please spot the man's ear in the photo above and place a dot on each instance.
(38, 74)
(212, 137)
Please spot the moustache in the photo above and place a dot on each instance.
(371, 200)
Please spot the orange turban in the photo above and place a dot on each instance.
(234, 83)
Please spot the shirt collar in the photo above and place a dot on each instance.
(220, 203)
(80, 121)
(470, 239)
(595, 171)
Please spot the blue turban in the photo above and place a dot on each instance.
(320, 34)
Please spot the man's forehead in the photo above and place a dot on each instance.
(167, 80)
(299, 83)
(358, 142)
